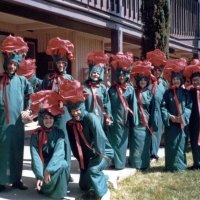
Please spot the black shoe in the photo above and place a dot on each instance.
(154, 157)
(70, 178)
(193, 167)
(19, 185)
(2, 188)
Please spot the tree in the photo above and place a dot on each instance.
(155, 18)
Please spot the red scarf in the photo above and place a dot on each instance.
(120, 88)
(96, 99)
(42, 140)
(5, 80)
(57, 78)
(144, 119)
(178, 107)
(78, 132)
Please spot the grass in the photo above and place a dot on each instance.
(159, 185)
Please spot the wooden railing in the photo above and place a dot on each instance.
(184, 19)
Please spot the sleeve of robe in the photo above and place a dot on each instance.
(37, 165)
(153, 115)
(106, 102)
(58, 154)
(164, 109)
(187, 109)
(99, 137)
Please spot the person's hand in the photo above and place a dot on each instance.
(178, 119)
(108, 121)
(39, 184)
(47, 176)
(173, 118)
(26, 116)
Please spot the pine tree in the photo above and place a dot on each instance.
(155, 18)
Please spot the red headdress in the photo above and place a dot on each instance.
(48, 100)
(122, 61)
(141, 68)
(72, 91)
(59, 47)
(27, 68)
(194, 67)
(97, 57)
(14, 44)
(157, 58)
(174, 65)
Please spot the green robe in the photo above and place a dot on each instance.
(104, 97)
(12, 134)
(160, 90)
(54, 153)
(140, 136)
(194, 129)
(119, 130)
(175, 137)
(92, 175)
(61, 120)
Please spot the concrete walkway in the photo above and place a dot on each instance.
(73, 190)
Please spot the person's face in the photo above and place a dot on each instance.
(143, 83)
(12, 67)
(176, 82)
(122, 79)
(48, 121)
(95, 76)
(76, 114)
(196, 82)
(157, 71)
(61, 65)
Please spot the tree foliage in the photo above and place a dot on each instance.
(155, 18)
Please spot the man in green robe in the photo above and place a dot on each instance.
(91, 148)
(14, 97)
(124, 108)
(176, 109)
(61, 56)
(48, 152)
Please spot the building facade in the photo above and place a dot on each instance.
(109, 25)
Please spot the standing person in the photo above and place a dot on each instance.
(14, 97)
(159, 86)
(175, 109)
(192, 72)
(48, 147)
(142, 134)
(123, 105)
(98, 101)
(28, 69)
(61, 52)
(89, 145)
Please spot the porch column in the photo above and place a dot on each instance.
(116, 41)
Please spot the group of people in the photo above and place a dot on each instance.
(98, 124)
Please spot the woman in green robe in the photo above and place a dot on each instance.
(90, 146)
(52, 81)
(124, 107)
(48, 152)
(98, 101)
(176, 109)
(14, 97)
(142, 134)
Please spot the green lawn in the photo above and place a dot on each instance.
(159, 185)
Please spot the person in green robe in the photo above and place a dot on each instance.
(90, 147)
(14, 97)
(48, 153)
(192, 72)
(61, 52)
(158, 87)
(141, 135)
(175, 109)
(123, 105)
(98, 101)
